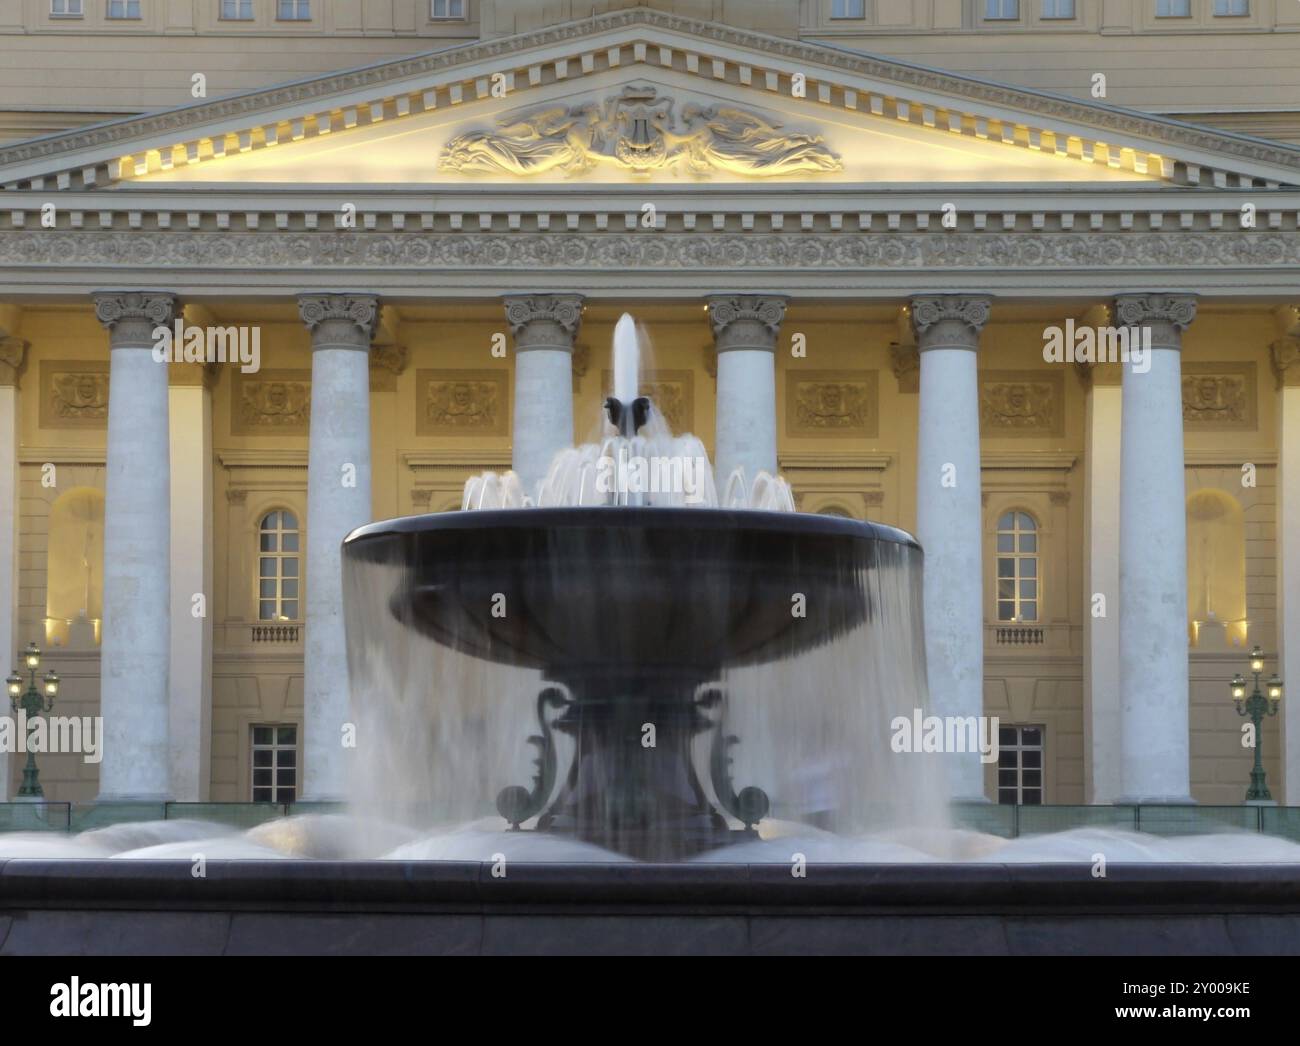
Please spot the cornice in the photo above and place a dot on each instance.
(820, 62)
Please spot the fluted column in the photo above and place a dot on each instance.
(135, 642)
(12, 350)
(338, 501)
(745, 329)
(1153, 682)
(543, 327)
(948, 512)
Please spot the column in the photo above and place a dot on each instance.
(1286, 367)
(135, 646)
(190, 402)
(1153, 685)
(1101, 572)
(543, 327)
(338, 501)
(12, 351)
(948, 514)
(745, 328)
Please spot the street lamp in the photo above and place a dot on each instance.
(32, 703)
(1255, 706)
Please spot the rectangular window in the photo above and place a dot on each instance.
(1020, 765)
(1001, 9)
(444, 10)
(1225, 8)
(1058, 8)
(294, 10)
(237, 10)
(66, 8)
(275, 763)
(849, 9)
(1173, 8)
(123, 8)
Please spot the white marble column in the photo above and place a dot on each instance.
(1101, 571)
(1154, 739)
(192, 509)
(12, 350)
(745, 329)
(338, 501)
(948, 514)
(135, 647)
(1286, 367)
(543, 327)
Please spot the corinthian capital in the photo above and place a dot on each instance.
(544, 321)
(950, 321)
(131, 316)
(339, 320)
(746, 321)
(1168, 315)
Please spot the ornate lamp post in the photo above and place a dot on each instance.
(32, 703)
(1255, 706)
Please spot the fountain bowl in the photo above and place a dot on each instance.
(575, 591)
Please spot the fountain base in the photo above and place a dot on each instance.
(108, 907)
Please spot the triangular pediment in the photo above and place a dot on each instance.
(635, 96)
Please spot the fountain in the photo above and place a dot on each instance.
(667, 636)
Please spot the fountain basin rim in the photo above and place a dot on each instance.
(696, 519)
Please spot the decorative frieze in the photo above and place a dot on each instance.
(1218, 396)
(832, 403)
(849, 252)
(462, 403)
(74, 394)
(1022, 403)
(271, 403)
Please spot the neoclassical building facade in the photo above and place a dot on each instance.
(852, 270)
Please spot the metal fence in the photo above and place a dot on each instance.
(80, 817)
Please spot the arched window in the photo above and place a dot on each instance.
(1017, 567)
(278, 576)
